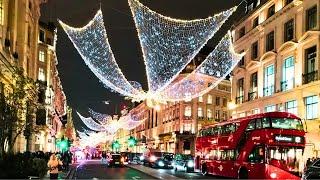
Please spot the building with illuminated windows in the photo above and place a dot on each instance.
(173, 127)
(280, 71)
(29, 44)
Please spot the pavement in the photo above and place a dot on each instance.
(156, 173)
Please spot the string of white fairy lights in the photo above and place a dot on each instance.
(91, 42)
(218, 64)
(168, 45)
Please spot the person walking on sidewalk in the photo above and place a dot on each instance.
(53, 164)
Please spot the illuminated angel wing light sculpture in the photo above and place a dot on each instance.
(167, 44)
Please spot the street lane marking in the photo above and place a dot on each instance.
(136, 177)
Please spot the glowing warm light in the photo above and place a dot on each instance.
(157, 107)
(231, 105)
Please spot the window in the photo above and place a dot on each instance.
(266, 122)
(209, 99)
(41, 35)
(254, 50)
(286, 2)
(251, 125)
(241, 62)
(287, 74)
(242, 32)
(253, 86)
(287, 155)
(187, 111)
(200, 112)
(187, 127)
(311, 18)
(224, 115)
(271, 11)
(255, 111)
(41, 56)
(270, 41)
(258, 123)
(270, 108)
(288, 30)
(311, 107)
(257, 155)
(286, 123)
(217, 115)
(240, 97)
(209, 113)
(29, 36)
(310, 72)
(217, 101)
(41, 75)
(268, 88)
(1, 12)
(224, 102)
(200, 99)
(291, 107)
(255, 22)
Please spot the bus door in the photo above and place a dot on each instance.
(256, 162)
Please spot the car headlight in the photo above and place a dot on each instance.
(190, 164)
(153, 158)
(141, 158)
(160, 163)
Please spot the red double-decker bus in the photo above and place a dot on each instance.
(268, 146)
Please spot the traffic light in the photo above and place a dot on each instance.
(115, 145)
(132, 141)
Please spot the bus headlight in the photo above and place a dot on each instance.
(190, 164)
(160, 163)
(273, 175)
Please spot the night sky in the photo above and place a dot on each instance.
(82, 88)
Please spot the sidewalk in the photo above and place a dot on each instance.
(152, 172)
(65, 174)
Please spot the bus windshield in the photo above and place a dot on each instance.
(286, 158)
(286, 123)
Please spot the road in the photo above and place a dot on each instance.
(95, 170)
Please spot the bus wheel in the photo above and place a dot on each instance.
(204, 169)
(243, 173)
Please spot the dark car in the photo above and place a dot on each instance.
(184, 162)
(312, 171)
(116, 160)
(160, 160)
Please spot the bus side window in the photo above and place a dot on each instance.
(256, 155)
(258, 124)
(266, 122)
(251, 125)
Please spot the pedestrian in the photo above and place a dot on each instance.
(53, 166)
(308, 162)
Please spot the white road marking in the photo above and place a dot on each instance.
(136, 177)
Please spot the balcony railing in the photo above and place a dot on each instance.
(310, 77)
(239, 100)
(252, 95)
(268, 91)
(287, 84)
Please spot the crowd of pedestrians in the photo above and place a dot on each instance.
(310, 161)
